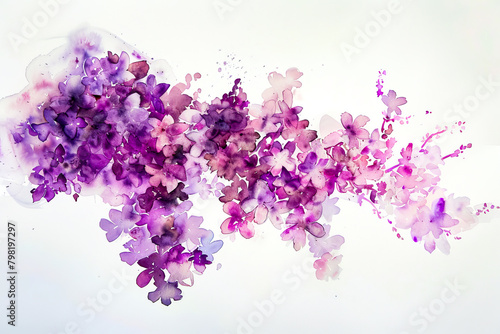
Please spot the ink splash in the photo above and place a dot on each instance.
(114, 123)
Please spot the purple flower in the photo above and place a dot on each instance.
(165, 291)
(151, 92)
(189, 228)
(70, 123)
(431, 221)
(57, 156)
(330, 209)
(73, 95)
(278, 160)
(179, 266)
(154, 264)
(110, 128)
(266, 118)
(299, 222)
(354, 129)
(328, 266)
(208, 246)
(392, 102)
(260, 199)
(43, 130)
(115, 67)
(199, 260)
(291, 188)
(238, 220)
(121, 222)
(325, 244)
(313, 169)
(96, 78)
(139, 247)
(203, 188)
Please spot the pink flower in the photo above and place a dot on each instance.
(266, 117)
(121, 222)
(392, 102)
(168, 132)
(259, 201)
(431, 221)
(299, 222)
(354, 130)
(140, 246)
(328, 267)
(169, 175)
(278, 160)
(323, 245)
(374, 143)
(312, 169)
(367, 172)
(239, 220)
(180, 271)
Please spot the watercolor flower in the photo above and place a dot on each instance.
(197, 185)
(266, 118)
(298, 223)
(120, 222)
(238, 220)
(199, 260)
(169, 175)
(178, 266)
(72, 95)
(260, 199)
(227, 161)
(291, 189)
(139, 247)
(168, 132)
(328, 267)
(459, 208)
(189, 228)
(115, 67)
(151, 92)
(208, 246)
(431, 221)
(354, 129)
(330, 209)
(70, 123)
(43, 130)
(44, 189)
(393, 103)
(374, 144)
(313, 168)
(95, 78)
(323, 245)
(154, 264)
(166, 292)
(275, 212)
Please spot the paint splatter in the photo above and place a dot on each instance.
(117, 124)
(380, 83)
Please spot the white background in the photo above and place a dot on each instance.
(435, 54)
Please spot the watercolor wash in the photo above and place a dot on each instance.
(113, 123)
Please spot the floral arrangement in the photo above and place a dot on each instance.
(107, 123)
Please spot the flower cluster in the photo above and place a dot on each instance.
(148, 146)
